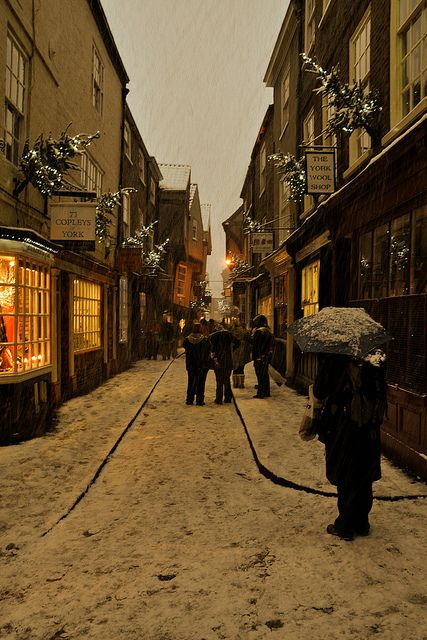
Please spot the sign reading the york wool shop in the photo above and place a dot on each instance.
(320, 170)
(73, 224)
(262, 242)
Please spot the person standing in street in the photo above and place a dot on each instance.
(241, 353)
(222, 348)
(166, 338)
(262, 352)
(354, 392)
(197, 358)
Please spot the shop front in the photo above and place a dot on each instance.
(26, 260)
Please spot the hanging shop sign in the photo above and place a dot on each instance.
(262, 242)
(320, 170)
(73, 224)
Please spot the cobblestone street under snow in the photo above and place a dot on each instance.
(175, 534)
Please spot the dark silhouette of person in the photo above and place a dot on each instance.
(354, 392)
(262, 352)
(222, 348)
(197, 358)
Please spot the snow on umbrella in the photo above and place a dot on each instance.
(343, 330)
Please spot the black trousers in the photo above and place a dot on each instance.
(261, 371)
(196, 385)
(223, 385)
(354, 504)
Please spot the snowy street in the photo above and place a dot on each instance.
(178, 534)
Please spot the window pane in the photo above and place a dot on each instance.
(380, 261)
(399, 256)
(365, 266)
(419, 250)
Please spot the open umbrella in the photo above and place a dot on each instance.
(343, 330)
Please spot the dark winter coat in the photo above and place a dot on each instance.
(262, 344)
(222, 346)
(354, 394)
(197, 351)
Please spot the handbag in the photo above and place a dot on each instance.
(312, 419)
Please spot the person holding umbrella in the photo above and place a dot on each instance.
(351, 383)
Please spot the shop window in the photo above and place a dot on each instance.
(97, 80)
(15, 99)
(123, 310)
(280, 305)
(310, 289)
(365, 266)
(266, 309)
(419, 251)
(86, 315)
(399, 256)
(24, 315)
(393, 258)
(380, 261)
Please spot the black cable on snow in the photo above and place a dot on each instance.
(283, 482)
(108, 456)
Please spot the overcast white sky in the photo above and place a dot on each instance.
(196, 71)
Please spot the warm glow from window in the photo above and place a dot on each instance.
(86, 315)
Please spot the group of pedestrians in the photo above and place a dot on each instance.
(212, 346)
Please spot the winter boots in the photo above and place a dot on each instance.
(239, 381)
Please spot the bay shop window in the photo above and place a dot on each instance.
(25, 333)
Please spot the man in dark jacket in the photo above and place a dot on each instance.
(197, 358)
(222, 347)
(354, 392)
(262, 351)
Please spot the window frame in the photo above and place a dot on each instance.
(91, 174)
(285, 88)
(126, 214)
(360, 141)
(127, 140)
(123, 310)
(262, 168)
(141, 166)
(88, 316)
(15, 83)
(97, 80)
(181, 277)
(309, 25)
(310, 281)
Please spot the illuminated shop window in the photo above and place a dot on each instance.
(310, 289)
(87, 315)
(24, 315)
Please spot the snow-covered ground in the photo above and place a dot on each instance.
(181, 538)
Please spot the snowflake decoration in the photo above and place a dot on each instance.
(104, 212)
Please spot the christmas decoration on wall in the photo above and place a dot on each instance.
(237, 266)
(46, 164)
(202, 293)
(249, 225)
(226, 309)
(104, 211)
(353, 107)
(293, 172)
(150, 259)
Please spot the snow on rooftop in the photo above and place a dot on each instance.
(175, 176)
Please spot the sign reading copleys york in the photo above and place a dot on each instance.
(262, 242)
(73, 224)
(320, 171)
